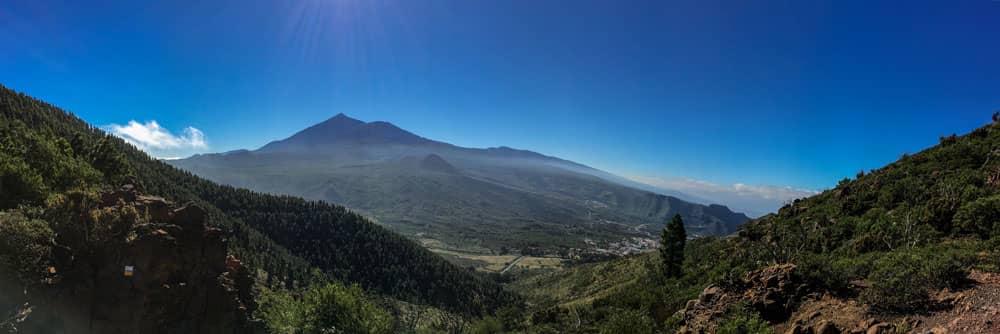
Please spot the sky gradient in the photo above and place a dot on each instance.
(786, 93)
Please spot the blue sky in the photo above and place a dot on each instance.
(784, 93)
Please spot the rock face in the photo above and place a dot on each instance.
(169, 273)
(773, 292)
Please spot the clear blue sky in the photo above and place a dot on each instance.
(792, 93)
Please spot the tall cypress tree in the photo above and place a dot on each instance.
(672, 247)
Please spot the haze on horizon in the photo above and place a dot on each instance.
(721, 99)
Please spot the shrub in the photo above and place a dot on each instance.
(85, 227)
(743, 320)
(978, 217)
(25, 248)
(487, 325)
(622, 321)
(323, 308)
(827, 272)
(673, 323)
(901, 281)
(18, 183)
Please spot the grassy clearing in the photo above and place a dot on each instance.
(496, 263)
(581, 284)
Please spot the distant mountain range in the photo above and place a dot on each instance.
(453, 196)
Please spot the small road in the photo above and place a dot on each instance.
(512, 264)
(642, 229)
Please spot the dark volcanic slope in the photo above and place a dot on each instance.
(467, 197)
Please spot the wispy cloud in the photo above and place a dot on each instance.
(156, 140)
(755, 200)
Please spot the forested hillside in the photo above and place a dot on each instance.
(45, 152)
(886, 245)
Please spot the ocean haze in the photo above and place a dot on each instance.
(753, 200)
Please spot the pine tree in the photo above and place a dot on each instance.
(672, 247)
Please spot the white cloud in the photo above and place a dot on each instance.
(156, 140)
(753, 200)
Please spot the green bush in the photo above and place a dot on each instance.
(487, 325)
(19, 183)
(978, 217)
(743, 320)
(673, 323)
(830, 272)
(901, 281)
(323, 308)
(84, 226)
(622, 321)
(25, 249)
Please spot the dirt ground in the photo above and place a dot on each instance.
(976, 310)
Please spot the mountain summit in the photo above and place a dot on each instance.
(342, 129)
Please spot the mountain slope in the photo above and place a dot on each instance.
(46, 151)
(464, 197)
(916, 239)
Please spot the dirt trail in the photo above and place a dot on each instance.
(512, 264)
(976, 310)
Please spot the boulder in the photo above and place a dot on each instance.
(709, 293)
(157, 208)
(774, 291)
(939, 330)
(799, 329)
(827, 327)
(880, 328)
(126, 193)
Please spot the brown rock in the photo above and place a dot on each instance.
(709, 293)
(126, 193)
(190, 215)
(827, 327)
(157, 208)
(774, 291)
(799, 329)
(879, 328)
(233, 264)
(691, 304)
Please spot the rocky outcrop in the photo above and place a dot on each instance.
(792, 307)
(774, 292)
(167, 272)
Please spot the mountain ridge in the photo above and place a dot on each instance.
(458, 195)
(341, 122)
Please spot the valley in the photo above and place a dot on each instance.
(468, 199)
